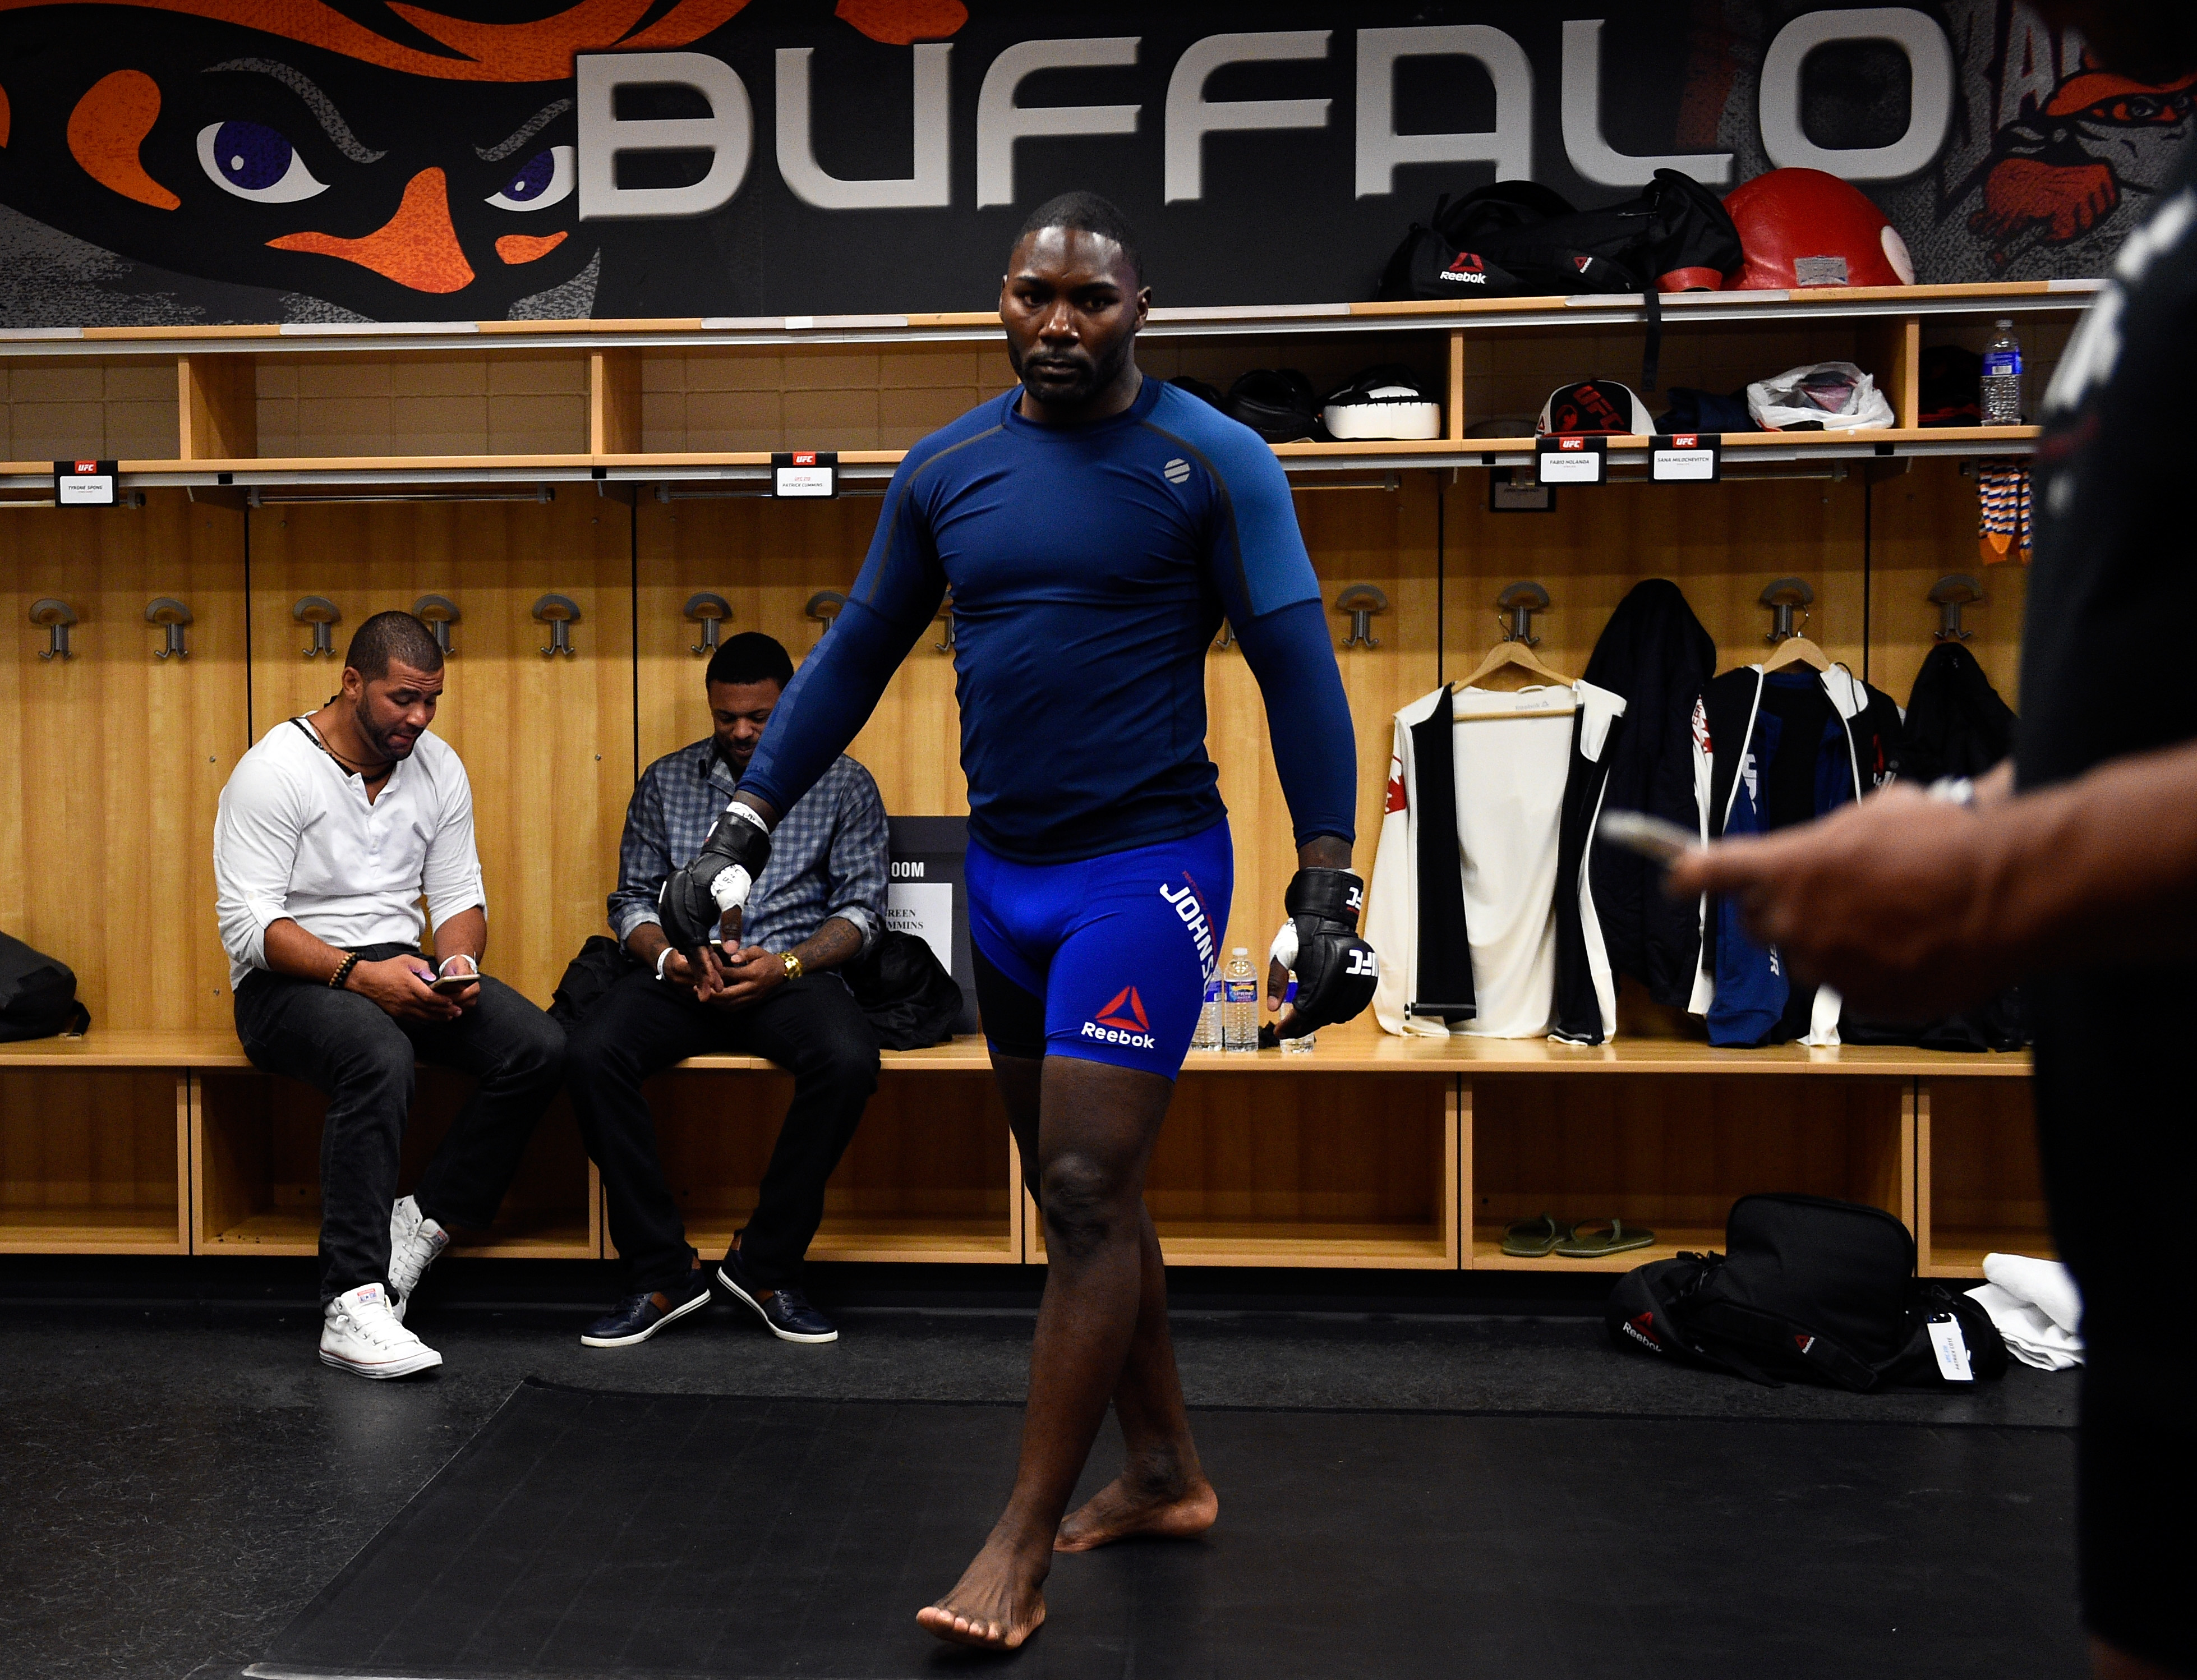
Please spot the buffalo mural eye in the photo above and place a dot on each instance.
(255, 162)
(546, 178)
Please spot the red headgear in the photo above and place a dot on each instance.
(1802, 227)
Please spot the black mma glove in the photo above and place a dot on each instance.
(1335, 969)
(695, 899)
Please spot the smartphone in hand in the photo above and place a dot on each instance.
(450, 985)
(1663, 844)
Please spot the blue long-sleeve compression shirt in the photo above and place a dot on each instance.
(1091, 566)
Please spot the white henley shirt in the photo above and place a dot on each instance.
(297, 837)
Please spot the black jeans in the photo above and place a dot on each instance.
(811, 1026)
(362, 1060)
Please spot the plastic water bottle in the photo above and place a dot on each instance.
(1207, 1035)
(1296, 1046)
(2002, 381)
(1239, 1011)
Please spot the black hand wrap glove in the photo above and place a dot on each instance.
(1335, 969)
(695, 899)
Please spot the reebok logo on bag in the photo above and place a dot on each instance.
(1467, 270)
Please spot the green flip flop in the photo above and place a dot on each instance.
(1532, 1239)
(1597, 1238)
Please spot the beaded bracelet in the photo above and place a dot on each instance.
(343, 971)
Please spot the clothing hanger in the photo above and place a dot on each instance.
(1783, 597)
(1511, 664)
(1797, 651)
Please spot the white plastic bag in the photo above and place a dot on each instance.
(1837, 395)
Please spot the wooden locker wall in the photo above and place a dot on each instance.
(118, 756)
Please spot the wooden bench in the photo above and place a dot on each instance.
(1369, 1152)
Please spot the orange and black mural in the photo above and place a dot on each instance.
(208, 160)
(389, 161)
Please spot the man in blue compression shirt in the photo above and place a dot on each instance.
(1094, 526)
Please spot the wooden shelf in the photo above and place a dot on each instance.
(297, 1231)
(938, 1241)
(104, 1047)
(336, 472)
(1486, 1252)
(1255, 1243)
(1592, 308)
(1352, 1049)
(1959, 1252)
(91, 1230)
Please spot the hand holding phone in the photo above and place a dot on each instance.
(1663, 844)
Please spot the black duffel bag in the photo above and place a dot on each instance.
(903, 990)
(1810, 1289)
(1517, 239)
(38, 995)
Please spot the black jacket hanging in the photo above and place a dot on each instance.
(1956, 724)
(1654, 652)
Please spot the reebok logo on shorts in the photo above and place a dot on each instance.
(1122, 1021)
(1176, 472)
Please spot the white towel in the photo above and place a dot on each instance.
(2035, 1308)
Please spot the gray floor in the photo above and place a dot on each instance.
(175, 1482)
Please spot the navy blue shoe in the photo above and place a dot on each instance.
(785, 1312)
(639, 1316)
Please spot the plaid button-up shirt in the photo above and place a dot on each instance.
(828, 855)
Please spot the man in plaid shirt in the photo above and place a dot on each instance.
(820, 904)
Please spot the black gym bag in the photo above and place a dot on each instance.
(1517, 239)
(38, 995)
(1810, 1289)
(903, 990)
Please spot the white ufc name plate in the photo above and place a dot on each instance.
(925, 909)
(805, 473)
(1686, 458)
(1569, 460)
(84, 483)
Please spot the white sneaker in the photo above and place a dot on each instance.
(361, 1334)
(414, 1244)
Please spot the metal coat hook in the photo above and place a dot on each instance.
(945, 618)
(439, 612)
(1517, 604)
(1951, 593)
(708, 611)
(171, 615)
(1783, 597)
(324, 615)
(823, 606)
(560, 613)
(1361, 601)
(53, 617)
(1227, 634)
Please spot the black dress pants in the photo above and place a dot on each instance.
(362, 1059)
(811, 1026)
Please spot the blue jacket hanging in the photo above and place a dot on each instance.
(1785, 749)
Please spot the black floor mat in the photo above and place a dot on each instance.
(628, 1536)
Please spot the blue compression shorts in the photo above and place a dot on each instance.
(1105, 959)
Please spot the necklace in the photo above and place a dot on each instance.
(361, 771)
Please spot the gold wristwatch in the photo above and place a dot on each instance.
(793, 969)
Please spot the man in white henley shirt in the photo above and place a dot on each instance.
(331, 831)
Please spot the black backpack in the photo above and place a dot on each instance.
(1811, 1289)
(38, 995)
(1517, 239)
(904, 992)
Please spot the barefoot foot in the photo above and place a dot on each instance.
(995, 1605)
(1172, 1511)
